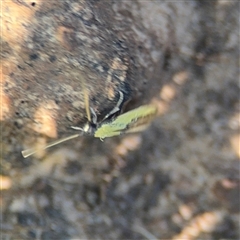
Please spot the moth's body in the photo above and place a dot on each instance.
(130, 121)
(133, 121)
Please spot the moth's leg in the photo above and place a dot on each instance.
(77, 128)
(94, 116)
(93, 120)
(116, 108)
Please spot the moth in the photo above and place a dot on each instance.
(133, 121)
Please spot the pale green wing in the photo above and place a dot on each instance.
(132, 121)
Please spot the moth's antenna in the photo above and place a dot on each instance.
(86, 98)
(28, 152)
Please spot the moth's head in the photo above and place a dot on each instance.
(89, 128)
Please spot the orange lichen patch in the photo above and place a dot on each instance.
(5, 105)
(45, 120)
(235, 143)
(168, 92)
(5, 182)
(181, 77)
(226, 191)
(8, 66)
(186, 211)
(110, 92)
(39, 147)
(234, 121)
(228, 184)
(224, 2)
(117, 64)
(203, 223)
(64, 36)
(14, 19)
(129, 143)
(162, 106)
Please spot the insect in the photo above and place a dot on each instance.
(133, 121)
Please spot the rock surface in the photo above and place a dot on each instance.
(178, 179)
